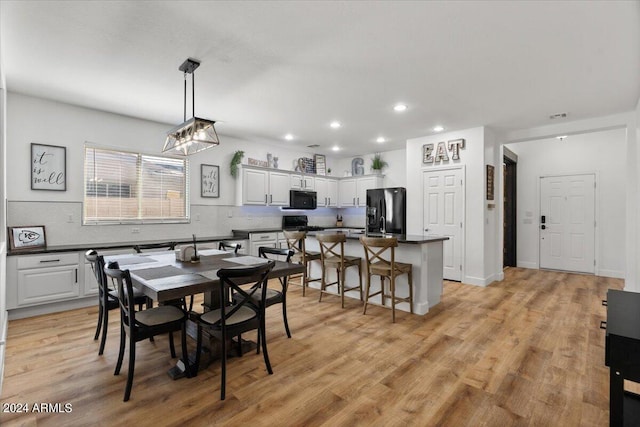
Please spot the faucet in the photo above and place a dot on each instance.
(383, 224)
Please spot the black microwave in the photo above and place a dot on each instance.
(302, 199)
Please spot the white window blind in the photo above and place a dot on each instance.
(126, 187)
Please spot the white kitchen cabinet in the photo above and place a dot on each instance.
(302, 182)
(46, 278)
(327, 189)
(263, 187)
(262, 239)
(353, 191)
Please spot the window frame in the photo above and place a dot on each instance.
(134, 188)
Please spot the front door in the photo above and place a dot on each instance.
(442, 215)
(567, 223)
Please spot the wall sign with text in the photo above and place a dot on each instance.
(48, 167)
(436, 153)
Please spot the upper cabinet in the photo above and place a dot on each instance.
(262, 187)
(270, 187)
(353, 191)
(327, 189)
(302, 182)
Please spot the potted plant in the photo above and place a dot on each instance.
(377, 163)
(235, 161)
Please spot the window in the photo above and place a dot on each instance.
(123, 187)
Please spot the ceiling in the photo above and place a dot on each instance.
(272, 68)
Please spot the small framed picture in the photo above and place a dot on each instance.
(321, 164)
(48, 167)
(490, 183)
(27, 237)
(209, 181)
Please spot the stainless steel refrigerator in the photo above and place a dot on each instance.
(387, 210)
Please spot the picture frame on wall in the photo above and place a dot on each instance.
(27, 237)
(490, 182)
(209, 180)
(48, 167)
(321, 164)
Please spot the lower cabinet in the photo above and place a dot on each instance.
(44, 278)
(262, 239)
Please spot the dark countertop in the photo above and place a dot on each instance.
(402, 238)
(119, 245)
(244, 233)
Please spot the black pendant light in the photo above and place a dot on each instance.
(195, 134)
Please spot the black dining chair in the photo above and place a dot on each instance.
(274, 296)
(150, 246)
(238, 315)
(229, 247)
(140, 325)
(107, 297)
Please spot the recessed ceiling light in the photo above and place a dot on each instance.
(438, 128)
(561, 137)
(400, 107)
(335, 125)
(288, 137)
(335, 148)
(380, 140)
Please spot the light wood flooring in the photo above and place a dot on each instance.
(524, 351)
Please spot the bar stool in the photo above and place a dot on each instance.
(332, 256)
(295, 242)
(374, 247)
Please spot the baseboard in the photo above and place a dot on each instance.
(37, 310)
(611, 273)
(476, 281)
(527, 264)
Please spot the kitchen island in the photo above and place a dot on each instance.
(423, 252)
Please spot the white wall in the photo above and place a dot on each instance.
(3, 222)
(598, 152)
(472, 159)
(31, 119)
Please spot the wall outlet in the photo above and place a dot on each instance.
(230, 213)
(135, 230)
(198, 217)
(70, 218)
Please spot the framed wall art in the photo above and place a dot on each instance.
(27, 237)
(490, 183)
(209, 181)
(48, 167)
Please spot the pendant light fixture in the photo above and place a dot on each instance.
(195, 134)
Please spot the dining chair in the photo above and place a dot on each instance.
(140, 325)
(332, 256)
(229, 247)
(277, 296)
(296, 242)
(107, 297)
(238, 315)
(374, 248)
(150, 246)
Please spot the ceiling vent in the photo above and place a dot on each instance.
(558, 116)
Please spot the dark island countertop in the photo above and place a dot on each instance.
(244, 232)
(118, 245)
(402, 238)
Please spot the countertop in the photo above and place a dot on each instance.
(119, 245)
(243, 233)
(402, 238)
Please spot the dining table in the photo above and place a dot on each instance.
(165, 279)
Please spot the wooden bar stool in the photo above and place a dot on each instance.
(295, 242)
(332, 256)
(374, 247)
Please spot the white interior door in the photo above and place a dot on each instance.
(567, 223)
(442, 212)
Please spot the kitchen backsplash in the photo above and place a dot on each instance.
(63, 222)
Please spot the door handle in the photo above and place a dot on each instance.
(426, 229)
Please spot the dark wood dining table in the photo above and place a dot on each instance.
(160, 276)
